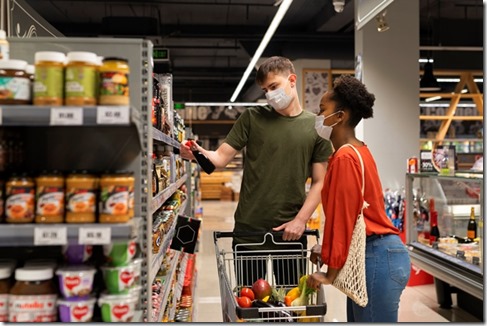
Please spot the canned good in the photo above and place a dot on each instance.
(413, 165)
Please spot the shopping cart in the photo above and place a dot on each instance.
(288, 264)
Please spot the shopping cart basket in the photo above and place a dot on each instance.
(292, 264)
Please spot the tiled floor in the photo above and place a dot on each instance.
(418, 303)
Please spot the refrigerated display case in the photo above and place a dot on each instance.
(455, 260)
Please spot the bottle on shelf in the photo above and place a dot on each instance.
(472, 225)
(434, 231)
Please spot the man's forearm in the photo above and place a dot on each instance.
(311, 202)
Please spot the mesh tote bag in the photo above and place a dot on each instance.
(351, 278)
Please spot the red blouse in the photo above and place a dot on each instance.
(341, 198)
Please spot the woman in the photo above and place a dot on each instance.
(387, 259)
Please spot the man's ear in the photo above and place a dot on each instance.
(293, 78)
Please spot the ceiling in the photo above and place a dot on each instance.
(211, 42)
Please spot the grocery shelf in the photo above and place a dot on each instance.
(160, 136)
(137, 317)
(159, 257)
(164, 195)
(167, 288)
(178, 288)
(29, 115)
(61, 234)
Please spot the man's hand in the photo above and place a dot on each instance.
(185, 150)
(293, 230)
(315, 280)
(315, 255)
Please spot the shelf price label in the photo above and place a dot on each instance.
(66, 116)
(95, 236)
(113, 115)
(50, 236)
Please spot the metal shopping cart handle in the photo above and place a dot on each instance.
(243, 234)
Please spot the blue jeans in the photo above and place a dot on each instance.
(387, 267)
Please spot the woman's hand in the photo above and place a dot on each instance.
(185, 151)
(315, 255)
(316, 279)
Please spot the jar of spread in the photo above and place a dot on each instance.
(131, 180)
(14, 82)
(80, 78)
(50, 198)
(19, 205)
(114, 82)
(5, 284)
(33, 297)
(49, 78)
(114, 197)
(81, 191)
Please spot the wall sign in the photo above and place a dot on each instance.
(201, 113)
(23, 21)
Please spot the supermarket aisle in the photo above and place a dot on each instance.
(418, 303)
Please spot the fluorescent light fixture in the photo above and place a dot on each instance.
(456, 80)
(421, 60)
(224, 104)
(263, 44)
(446, 105)
(431, 99)
(464, 91)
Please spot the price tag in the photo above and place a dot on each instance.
(95, 236)
(113, 115)
(66, 116)
(50, 236)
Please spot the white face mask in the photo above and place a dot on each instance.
(278, 99)
(322, 130)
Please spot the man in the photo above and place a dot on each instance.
(282, 151)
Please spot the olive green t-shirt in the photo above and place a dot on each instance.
(280, 152)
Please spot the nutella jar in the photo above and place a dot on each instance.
(114, 197)
(81, 191)
(33, 297)
(5, 285)
(50, 198)
(19, 205)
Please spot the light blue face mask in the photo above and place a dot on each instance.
(278, 98)
(322, 130)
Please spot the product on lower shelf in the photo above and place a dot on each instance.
(117, 308)
(77, 310)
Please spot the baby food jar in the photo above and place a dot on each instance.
(114, 197)
(114, 82)
(49, 78)
(50, 198)
(19, 205)
(80, 78)
(33, 297)
(14, 82)
(81, 198)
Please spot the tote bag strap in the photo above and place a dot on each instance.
(365, 205)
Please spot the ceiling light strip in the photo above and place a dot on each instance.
(224, 104)
(263, 44)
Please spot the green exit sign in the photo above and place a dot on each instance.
(160, 54)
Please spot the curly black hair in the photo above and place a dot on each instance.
(351, 94)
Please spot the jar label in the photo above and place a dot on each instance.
(81, 201)
(50, 201)
(48, 82)
(14, 88)
(126, 278)
(114, 83)
(81, 313)
(3, 307)
(80, 82)
(123, 312)
(79, 285)
(32, 308)
(20, 203)
(114, 200)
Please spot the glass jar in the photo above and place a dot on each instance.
(49, 78)
(80, 78)
(81, 191)
(114, 197)
(114, 82)
(50, 198)
(19, 205)
(14, 82)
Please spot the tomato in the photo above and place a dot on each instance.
(244, 302)
(247, 292)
